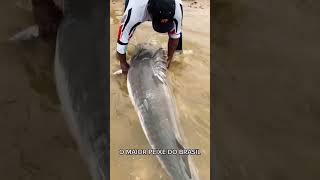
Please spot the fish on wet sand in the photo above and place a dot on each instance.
(150, 94)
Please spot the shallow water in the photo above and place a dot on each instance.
(190, 81)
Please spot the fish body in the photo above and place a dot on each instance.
(81, 72)
(150, 94)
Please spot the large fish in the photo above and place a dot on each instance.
(150, 94)
(81, 72)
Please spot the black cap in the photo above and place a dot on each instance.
(162, 12)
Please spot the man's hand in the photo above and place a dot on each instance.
(123, 63)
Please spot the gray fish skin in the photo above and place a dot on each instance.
(81, 73)
(150, 94)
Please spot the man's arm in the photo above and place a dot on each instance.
(123, 62)
(48, 17)
(172, 46)
(129, 22)
(175, 33)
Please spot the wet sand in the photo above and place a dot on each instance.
(190, 77)
(266, 89)
(35, 141)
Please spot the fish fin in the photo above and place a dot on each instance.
(27, 34)
(184, 159)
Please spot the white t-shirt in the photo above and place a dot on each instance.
(137, 13)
